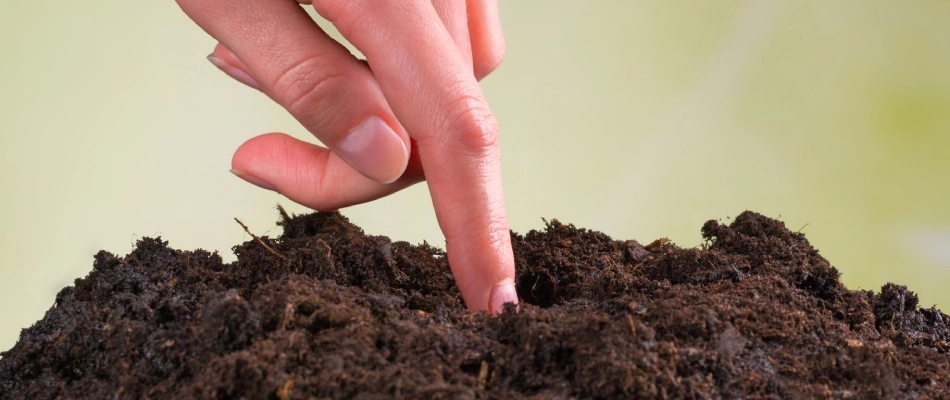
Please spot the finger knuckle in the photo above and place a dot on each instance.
(474, 127)
(308, 88)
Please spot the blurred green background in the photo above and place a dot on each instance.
(640, 119)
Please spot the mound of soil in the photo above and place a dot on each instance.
(325, 311)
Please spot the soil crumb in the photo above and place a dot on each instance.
(331, 312)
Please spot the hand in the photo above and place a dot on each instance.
(412, 112)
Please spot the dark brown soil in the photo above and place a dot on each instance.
(334, 313)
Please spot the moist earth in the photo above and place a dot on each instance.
(326, 311)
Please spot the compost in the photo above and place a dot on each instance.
(326, 311)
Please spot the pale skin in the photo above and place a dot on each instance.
(412, 112)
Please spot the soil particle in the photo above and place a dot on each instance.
(325, 311)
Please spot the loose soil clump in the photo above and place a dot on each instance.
(326, 311)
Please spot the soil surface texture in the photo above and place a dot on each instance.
(326, 311)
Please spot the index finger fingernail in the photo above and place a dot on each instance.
(500, 295)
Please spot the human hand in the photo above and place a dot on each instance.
(412, 112)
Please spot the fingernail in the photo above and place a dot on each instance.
(234, 72)
(500, 295)
(374, 149)
(253, 180)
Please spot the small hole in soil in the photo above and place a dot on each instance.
(306, 308)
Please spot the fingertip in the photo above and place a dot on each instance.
(222, 52)
(294, 168)
(309, 174)
(253, 180)
(501, 295)
(250, 161)
(487, 38)
(485, 65)
(227, 62)
(259, 151)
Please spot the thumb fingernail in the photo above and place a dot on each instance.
(375, 150)
(500, 295)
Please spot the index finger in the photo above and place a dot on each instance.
(433, 92)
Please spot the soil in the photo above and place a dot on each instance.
(325, 311)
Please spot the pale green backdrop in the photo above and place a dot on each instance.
(642, 119)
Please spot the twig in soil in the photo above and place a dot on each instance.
(329, 249)
(284, 391)
(483, 375)
(633, 327)
(656, 244)
(288, 314)
(281, 256)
